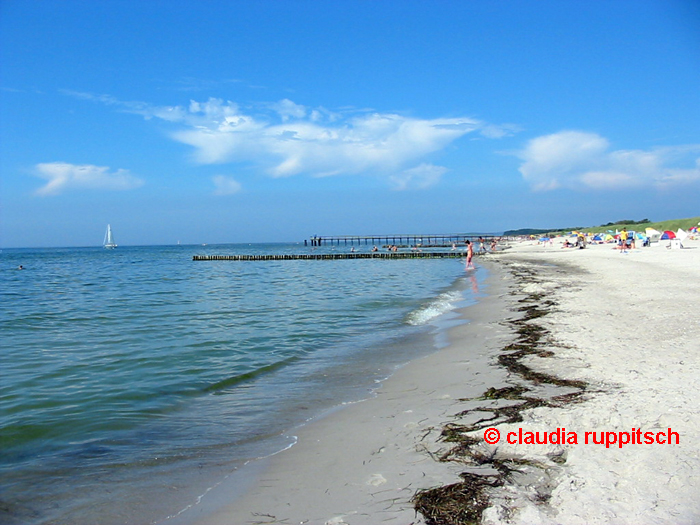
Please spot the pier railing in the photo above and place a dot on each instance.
(412, 239)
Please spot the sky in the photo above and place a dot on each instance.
(276, 120)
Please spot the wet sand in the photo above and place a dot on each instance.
(623, 329)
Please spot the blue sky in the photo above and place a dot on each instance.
(252, 121)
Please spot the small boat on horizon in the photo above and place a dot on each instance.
(109, 243)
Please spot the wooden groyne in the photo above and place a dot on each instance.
(330, 256)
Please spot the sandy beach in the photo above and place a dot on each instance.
(587, 344)
(626, 324)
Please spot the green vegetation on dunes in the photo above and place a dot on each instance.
(672, 224)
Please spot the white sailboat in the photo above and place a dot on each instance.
(109, 239)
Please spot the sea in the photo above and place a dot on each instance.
(135, 381)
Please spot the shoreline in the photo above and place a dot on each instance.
(367, 459)
(363, 464)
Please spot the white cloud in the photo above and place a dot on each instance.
(575, 159)
(62, 176)
(315, 142)
(288, 109)
(497, 131)
(607, 179)
(285, 138)
(420, 177)
(226, 185)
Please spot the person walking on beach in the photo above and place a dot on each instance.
(470, 254)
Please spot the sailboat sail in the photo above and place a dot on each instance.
(109, 239)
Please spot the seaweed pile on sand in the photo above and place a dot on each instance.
(464, 502)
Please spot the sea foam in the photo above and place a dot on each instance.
(438, 306)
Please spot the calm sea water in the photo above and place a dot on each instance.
(132, 380)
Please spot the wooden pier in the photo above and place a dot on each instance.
(331, 256)
(426, 240)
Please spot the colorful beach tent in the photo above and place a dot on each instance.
(598, 237)
(681, 234)
(668, 235)
(653, 234)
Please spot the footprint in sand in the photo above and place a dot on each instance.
(376, 480)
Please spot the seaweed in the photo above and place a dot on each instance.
(509, 392)
(459, 503)
(464, 502)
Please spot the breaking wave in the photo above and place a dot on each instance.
(443, 303)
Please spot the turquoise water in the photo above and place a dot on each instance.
(133, 379)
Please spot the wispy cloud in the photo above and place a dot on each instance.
(62, 177)
(285, 138)
(298, 140)
(108, 100)
(226, 185)
(287, 109)
(420, 177)
(575, 159)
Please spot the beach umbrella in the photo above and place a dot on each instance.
(668, 235)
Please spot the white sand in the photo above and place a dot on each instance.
(629, 326)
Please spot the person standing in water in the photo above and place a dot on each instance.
(470, 254)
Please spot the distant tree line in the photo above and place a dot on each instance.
(628, 221)
(534, 231)
(527, 231)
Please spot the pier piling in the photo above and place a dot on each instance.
(330, 256)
